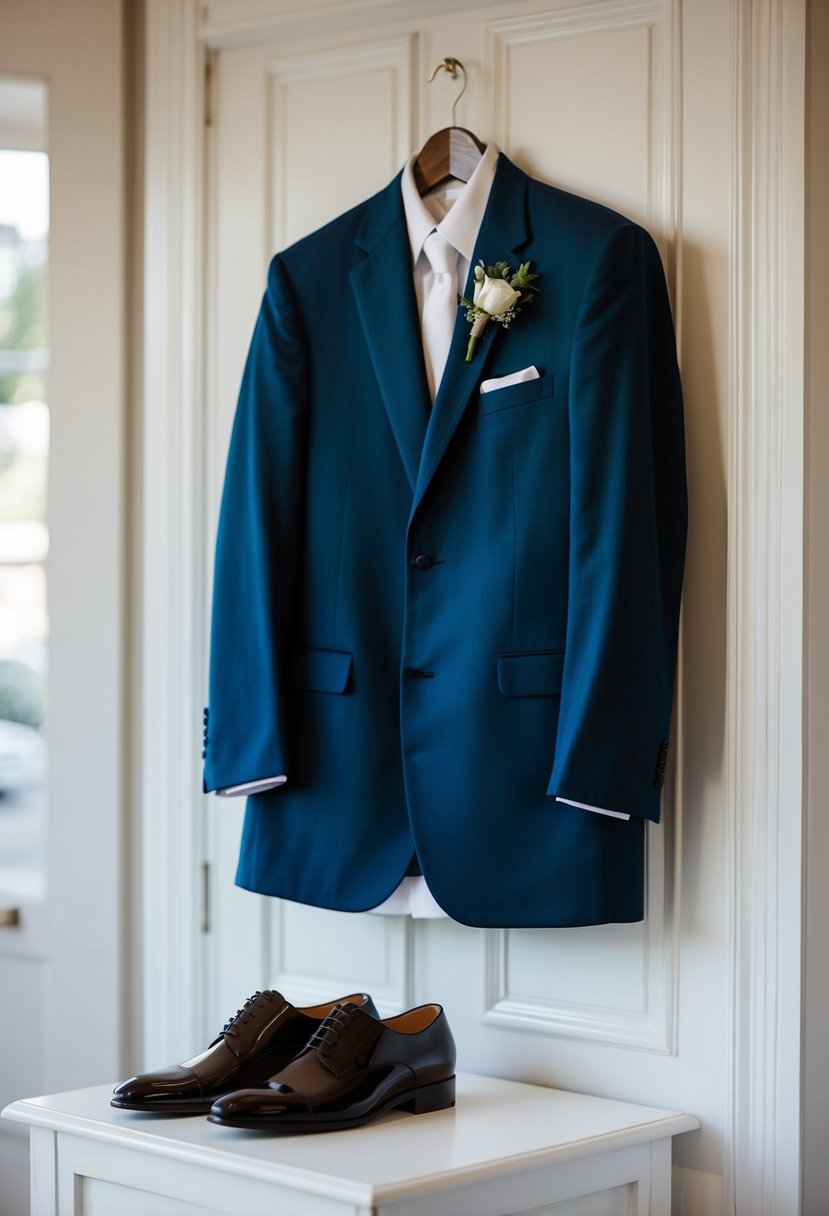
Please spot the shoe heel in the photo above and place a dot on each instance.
(438, 1096)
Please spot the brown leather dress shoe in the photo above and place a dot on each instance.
(265, 1034)
(353, 1069)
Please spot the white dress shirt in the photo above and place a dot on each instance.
(455, 209)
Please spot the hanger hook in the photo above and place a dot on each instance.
(451, 65)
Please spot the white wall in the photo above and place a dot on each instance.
(75, 1010)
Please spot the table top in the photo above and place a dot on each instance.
(498, 1127)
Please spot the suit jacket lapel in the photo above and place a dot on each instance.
(504, 229)
(384, 292)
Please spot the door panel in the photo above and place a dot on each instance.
(550, 65)
(591, 98)
(349, 100)
(291, 132)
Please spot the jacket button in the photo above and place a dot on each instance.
(423, 562)
(415, 673)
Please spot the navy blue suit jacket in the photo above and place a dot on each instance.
(439, 707)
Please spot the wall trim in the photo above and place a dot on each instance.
(229, 23)
(172, 612)
(580, 19)
(765, 606)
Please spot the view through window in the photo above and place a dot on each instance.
(24, 447)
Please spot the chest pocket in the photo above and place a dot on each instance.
(513, 395)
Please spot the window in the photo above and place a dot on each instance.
(24, 451)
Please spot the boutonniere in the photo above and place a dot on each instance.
(499, 295)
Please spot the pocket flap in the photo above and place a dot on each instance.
(531, 673)
(323, 670)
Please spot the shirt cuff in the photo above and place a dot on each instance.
(598, 810)
(252, 787)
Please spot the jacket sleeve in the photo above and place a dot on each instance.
(254, 582)
(628, 520)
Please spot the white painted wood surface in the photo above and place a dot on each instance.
(505, 1148)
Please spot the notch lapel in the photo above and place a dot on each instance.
(504, 229)
(384, 292)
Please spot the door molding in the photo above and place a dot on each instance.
(765, 574)
(765, 604)
(173, 614)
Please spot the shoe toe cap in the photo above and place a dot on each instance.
(265, 1104)
(157, 1087)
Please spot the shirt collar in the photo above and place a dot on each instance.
(460, 226)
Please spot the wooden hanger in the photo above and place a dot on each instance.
(452, 152)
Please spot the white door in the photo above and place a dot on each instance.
(633, 103)
(587, 98)
(62, 1023)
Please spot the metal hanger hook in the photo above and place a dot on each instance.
(451, 65)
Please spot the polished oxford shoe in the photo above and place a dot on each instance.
(353, 1069)
(266, 1033)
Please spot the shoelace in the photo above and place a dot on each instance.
(332, 1028)
(259, 1000)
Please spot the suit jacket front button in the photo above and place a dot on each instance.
(423, 562)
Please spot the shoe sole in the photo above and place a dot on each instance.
(420, 1101)
(198, 1106)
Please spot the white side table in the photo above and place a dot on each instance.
(506, 1148)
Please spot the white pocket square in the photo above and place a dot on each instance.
(526, 373)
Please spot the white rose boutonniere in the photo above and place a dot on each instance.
(499, 295)
(494, 296)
